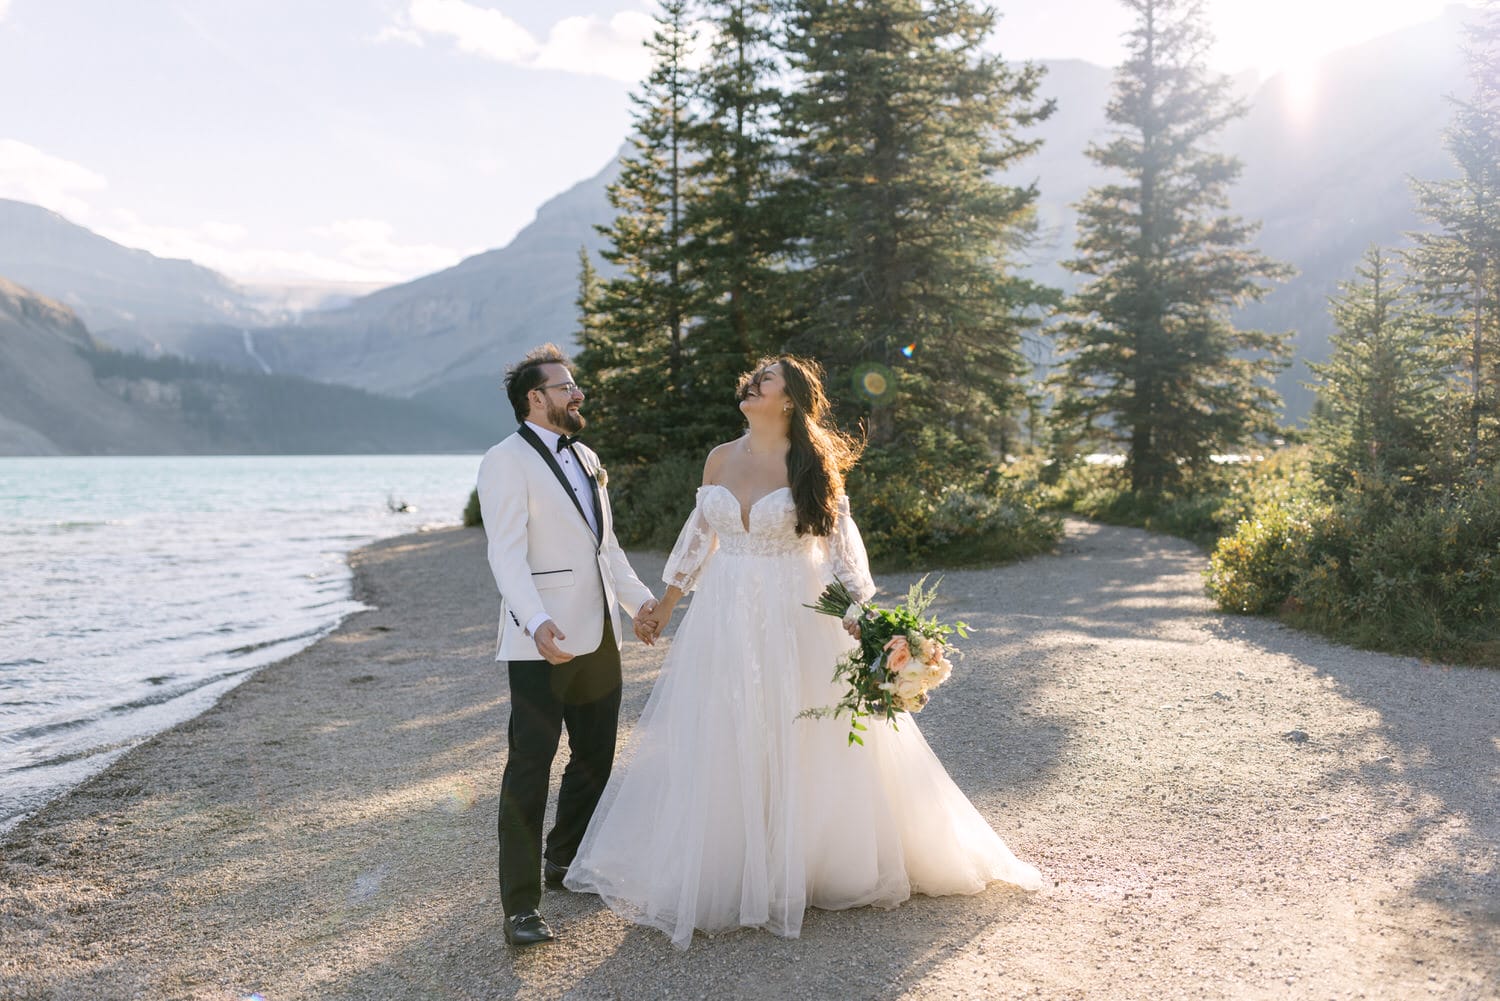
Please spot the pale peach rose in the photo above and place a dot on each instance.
(944, 669)
(908, 688)
(928, 650)
(898, 654)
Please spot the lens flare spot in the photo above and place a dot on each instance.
(460, 797)
(909, 350)
(875, 381)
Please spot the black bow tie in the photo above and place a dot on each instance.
(565, 441)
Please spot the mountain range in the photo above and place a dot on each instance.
(1326, 171)
(63, 392)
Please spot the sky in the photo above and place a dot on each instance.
(374, 141)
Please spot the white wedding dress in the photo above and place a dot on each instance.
(726, 810)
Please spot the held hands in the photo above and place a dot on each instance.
(547, 636)
(642, 617)
(650, 620)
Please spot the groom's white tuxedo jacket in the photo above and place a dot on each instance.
(543, 553)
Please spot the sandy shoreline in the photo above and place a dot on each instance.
(1222, 807)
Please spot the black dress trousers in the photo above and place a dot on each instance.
(584, 696)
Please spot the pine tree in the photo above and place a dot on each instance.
(1379, 391)
(905, 268)
(634, 359)
(1152, 360)
(1458, 265)
(734, 240)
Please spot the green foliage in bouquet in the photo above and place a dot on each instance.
(902, 655)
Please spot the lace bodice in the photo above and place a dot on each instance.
(718, 523)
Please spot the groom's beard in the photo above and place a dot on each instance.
(564, 418)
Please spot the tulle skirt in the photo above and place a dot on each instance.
(725, 810)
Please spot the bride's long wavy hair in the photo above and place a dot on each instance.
(820, 453)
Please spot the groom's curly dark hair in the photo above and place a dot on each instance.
(526, 375)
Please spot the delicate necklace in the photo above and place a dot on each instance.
(750, 451)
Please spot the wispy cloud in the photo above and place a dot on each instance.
(363, 250)
(371, 251)
(4, 8)
(613, 47)
(349, 250)
(29, 175)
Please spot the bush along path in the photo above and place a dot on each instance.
(1222, 807)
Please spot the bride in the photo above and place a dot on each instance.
(725, 809)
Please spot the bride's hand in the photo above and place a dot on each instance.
(645, 628)
(659, 619)
(852, 628)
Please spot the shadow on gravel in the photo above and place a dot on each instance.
(1442, 781)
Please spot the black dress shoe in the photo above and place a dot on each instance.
(553, 873)
(527, 928)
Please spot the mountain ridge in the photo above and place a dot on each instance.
(63, 393)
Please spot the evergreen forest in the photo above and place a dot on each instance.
(822, 178)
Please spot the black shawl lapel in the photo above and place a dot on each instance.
(594, 492)
(562, 477)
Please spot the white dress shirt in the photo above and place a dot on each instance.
(578, 480)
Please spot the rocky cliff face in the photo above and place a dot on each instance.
(49, 401)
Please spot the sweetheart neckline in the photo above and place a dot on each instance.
(745, 512)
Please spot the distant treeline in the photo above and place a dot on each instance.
(235, 410)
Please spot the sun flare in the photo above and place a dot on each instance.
(1290, 36)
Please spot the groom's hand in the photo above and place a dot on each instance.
(645, 628)
(547, 635)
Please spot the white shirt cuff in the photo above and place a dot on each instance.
(536, 623)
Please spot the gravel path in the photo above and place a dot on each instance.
(1222, 807)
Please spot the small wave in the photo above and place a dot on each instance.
(23, 662)
(170, 694)
(47, 729)
(72, 756)
(248, 648)
(65, 527)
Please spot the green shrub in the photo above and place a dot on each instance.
(1375, 568)
(1207, 506)
(651, 502)
(1255, 568)
(914, 516)
(473, 518)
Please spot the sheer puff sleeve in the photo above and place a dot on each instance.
(846, 554)
(695, 544)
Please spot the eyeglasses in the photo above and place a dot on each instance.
(569, 387)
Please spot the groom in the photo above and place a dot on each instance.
(561, 575)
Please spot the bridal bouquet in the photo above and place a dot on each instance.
(902, 655)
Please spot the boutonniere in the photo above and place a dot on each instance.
(601, 476)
